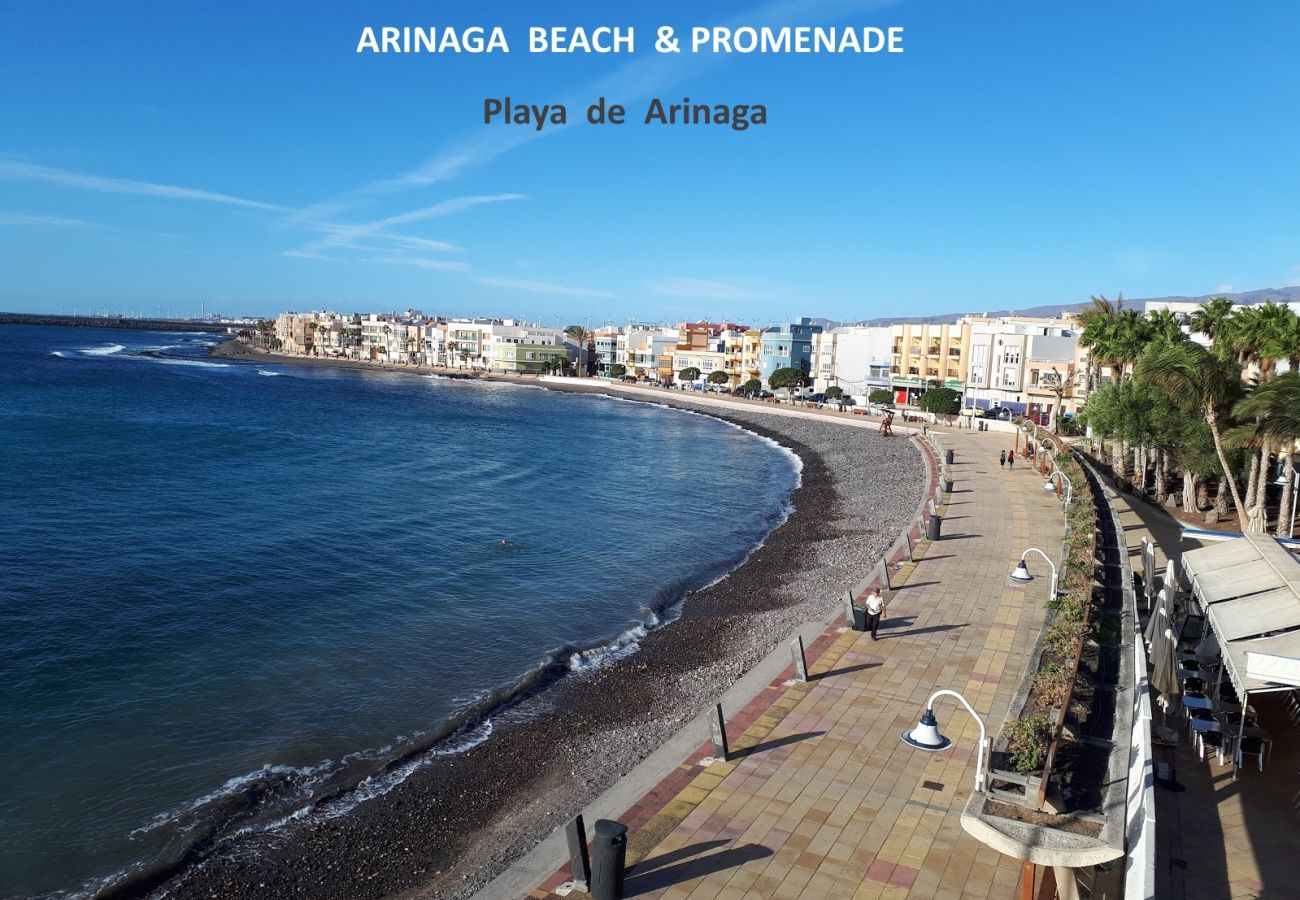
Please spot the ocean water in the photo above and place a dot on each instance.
(228, 590)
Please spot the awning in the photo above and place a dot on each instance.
(1250, 591)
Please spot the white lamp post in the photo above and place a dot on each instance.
(1021, 572)
(1065, 483)
(926, 736)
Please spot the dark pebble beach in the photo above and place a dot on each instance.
(459, 820)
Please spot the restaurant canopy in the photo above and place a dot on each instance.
(1249, 589)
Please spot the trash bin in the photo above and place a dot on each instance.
(608, 860)
(934, 527)
(948, 455)
(859, 618)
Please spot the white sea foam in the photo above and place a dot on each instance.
(187, 362)
(623, 646)
(103, 351)
(269, 374)
(61, 354)
(310, 775)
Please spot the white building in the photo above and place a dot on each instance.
(854, 358)
(640, 348)
(998, 350)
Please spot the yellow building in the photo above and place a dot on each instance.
(925, 356)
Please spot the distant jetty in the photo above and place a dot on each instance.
(10, 318)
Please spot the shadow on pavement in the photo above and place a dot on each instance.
(693, 868)
(743, 752)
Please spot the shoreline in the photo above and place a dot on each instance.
(457, 821)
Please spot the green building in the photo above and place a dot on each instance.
(528, 358)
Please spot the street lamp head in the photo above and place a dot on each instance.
(1021, 573)
(926, 736)
(1048, 485)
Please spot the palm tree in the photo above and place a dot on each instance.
(1275, 407)
(1164, 327)
(1210, 317)
(579, 336)
(1097, 321)
(1202, 380)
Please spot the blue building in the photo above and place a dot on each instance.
(789, 345)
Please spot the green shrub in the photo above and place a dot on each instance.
(1028, 739)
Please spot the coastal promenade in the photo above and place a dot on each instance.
(821, 798)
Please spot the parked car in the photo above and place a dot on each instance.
(999, 412)
(816, 398)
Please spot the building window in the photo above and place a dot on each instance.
(1011, 356)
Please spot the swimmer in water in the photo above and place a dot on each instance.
(505, 543)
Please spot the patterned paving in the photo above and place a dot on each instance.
(821, 799)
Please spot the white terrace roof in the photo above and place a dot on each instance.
(1250, 590)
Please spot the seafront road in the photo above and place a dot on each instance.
(821, 798)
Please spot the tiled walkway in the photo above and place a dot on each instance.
(821, 799)
(1215, 837)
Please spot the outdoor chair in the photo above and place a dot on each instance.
(1213, 739)
(1193, 684)
(1232, 719)
(1253, 746)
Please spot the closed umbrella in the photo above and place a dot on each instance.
(1159, 618)
(1164, 669)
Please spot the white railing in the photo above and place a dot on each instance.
(1140, 818)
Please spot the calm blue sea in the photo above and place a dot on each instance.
(229, 588)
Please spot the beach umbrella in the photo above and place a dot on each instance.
(1164, 668)
(1159, 618)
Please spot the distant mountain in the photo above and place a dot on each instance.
(1290, 294)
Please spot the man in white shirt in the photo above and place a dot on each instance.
(876, 605)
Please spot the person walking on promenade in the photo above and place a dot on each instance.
(1011, 460)
(876, 605)
(1002, 459)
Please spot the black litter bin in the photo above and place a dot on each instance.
(934, 528)
(948, 456)
(608, 860)
(859, 618)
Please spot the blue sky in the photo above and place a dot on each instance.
(241, 157)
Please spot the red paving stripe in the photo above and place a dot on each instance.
(903, 876)
(880, 871)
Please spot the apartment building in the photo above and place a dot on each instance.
(1018, 363)
(854, 358)
(924, 356)
(606, 343)
(787, 346)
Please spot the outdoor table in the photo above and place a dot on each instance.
(1184, 674)
(1204, 725)
(1191, 702)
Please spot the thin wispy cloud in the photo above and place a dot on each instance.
(25, 219)
(701, 289)
(338, 235)
(541, 287)
(442, 265)
(21, 171)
